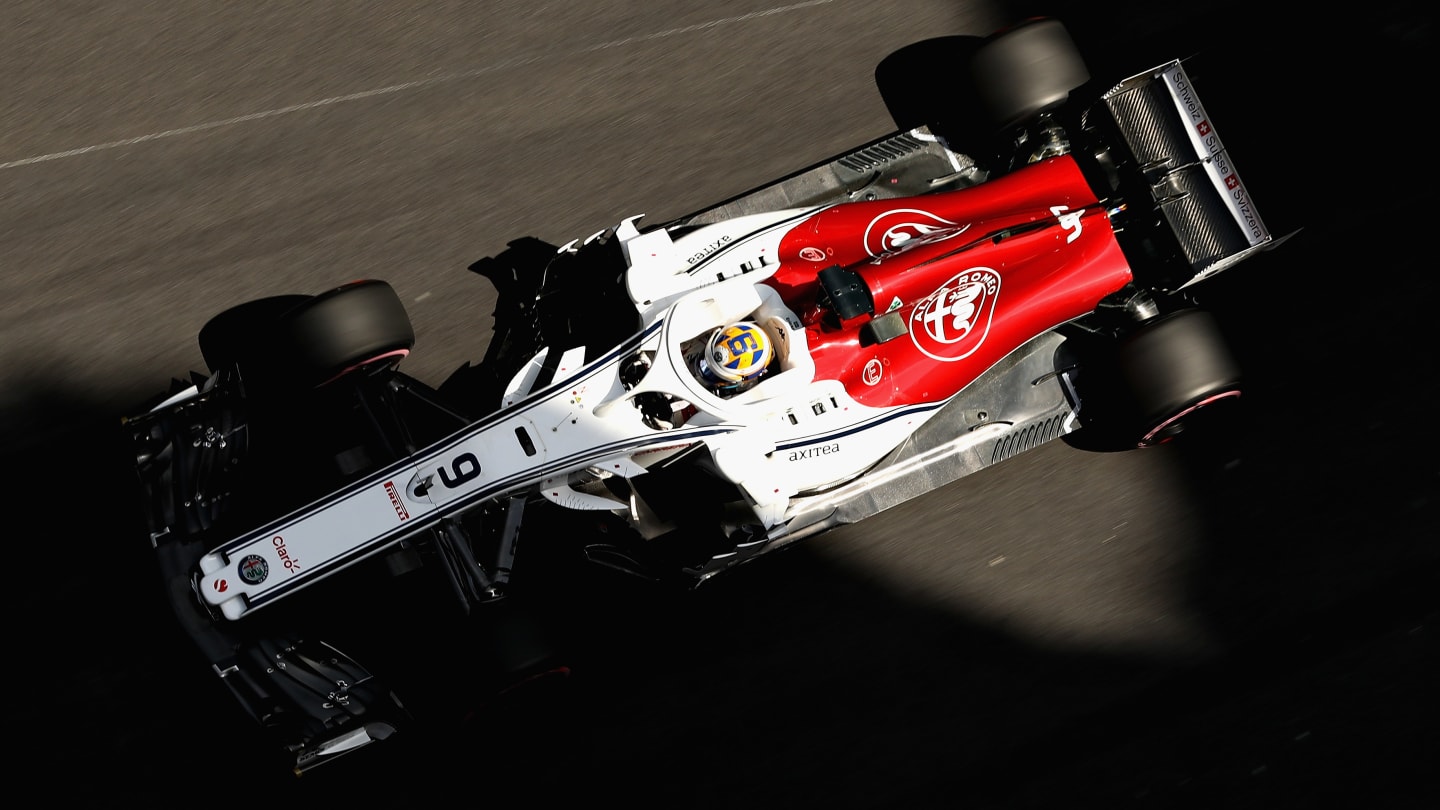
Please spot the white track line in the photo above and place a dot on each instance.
(399, 88)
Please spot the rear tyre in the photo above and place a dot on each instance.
(908, 79)
(972, 91)
(1179, 373)
(1026, 70)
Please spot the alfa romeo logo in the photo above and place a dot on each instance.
(952, 323)
(905, 226)
(253, 569)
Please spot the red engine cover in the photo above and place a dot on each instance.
(974, 273)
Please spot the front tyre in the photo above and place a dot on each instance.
(350, 328)
(291, 343)
(239, 334)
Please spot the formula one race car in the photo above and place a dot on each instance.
(1009, 267)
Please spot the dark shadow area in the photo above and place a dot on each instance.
(790, 683)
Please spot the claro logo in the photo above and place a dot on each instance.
(291, 564)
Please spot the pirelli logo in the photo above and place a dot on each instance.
(395, 501)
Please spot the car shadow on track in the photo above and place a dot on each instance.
(791, 681)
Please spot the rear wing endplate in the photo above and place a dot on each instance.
(1192, 178)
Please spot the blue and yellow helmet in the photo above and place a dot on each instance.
(738, 352)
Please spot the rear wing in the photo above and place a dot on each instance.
(1191, 177)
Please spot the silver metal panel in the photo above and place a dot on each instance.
(1016, 406)
(899, 165)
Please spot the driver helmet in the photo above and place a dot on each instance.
(736, 356)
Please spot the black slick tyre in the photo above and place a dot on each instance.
(352, 327)
(1177, 372)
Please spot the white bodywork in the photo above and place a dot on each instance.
(786, 435)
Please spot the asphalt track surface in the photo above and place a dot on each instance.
(1248, 623)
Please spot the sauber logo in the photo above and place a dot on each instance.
(812, 254)
(894, 229)
(395, 501)
(952, 323)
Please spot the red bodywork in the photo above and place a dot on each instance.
(974, 273)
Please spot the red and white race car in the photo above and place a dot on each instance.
(712, 388)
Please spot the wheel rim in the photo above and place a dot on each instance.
(387, 359)
(1174, 425)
